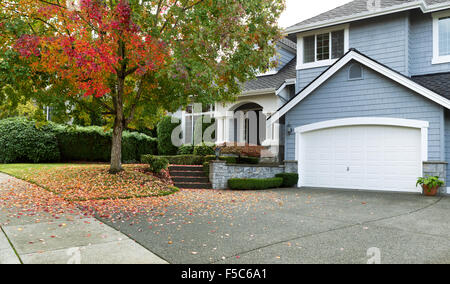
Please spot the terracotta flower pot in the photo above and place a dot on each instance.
(430, 191)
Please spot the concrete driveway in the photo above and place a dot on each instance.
(298, 226)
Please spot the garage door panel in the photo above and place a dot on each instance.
(361, 157)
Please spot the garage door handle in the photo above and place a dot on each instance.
(348, 169)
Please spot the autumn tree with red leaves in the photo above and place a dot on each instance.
(130, 60)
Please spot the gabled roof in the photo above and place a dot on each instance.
(272, 82)
(438, 83)
(354, 54)
(360, 9)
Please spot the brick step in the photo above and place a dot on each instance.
(186, 168)
(192, 185)
(187, 174)
(187, 179)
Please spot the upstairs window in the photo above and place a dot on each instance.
(444, 36)
(322, 48)
(441, 37)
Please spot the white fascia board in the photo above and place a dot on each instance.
(355, 121)
(353, 55)
(258, 92)
(365, 15)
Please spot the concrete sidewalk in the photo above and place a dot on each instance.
(69, 238)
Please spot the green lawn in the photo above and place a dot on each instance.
(18, 170)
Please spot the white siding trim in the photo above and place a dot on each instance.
(353, 55)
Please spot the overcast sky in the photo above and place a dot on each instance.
(299, 10)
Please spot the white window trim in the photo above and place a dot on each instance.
(437, 59)
(322, 63)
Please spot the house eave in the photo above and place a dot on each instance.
(366, 15)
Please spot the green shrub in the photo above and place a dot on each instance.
(22, 141)
(248, 160)
(206, 168)
(185, 160)
(204, 150)
(255, 184)
(165, 129)
(186, 150)
(229, 160)
(289, 180)
(93, 144)
(210, 158)
(157, 164)
(240, 160)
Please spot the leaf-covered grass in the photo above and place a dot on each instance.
(76, 182)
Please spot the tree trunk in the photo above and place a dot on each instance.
(116, 149)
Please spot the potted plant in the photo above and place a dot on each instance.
(430, 185)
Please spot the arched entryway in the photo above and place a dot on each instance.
(249, 124)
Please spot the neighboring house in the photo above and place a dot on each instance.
(371, 109)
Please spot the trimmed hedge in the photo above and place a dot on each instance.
(185, 150)
(204, 150)
(93, 144)
(255, 184)
(183, 160)
(22, 141)
(165, 129)
(240, 160)
(157, 164)
(289, 180)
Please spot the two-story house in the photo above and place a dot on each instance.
(371, 108)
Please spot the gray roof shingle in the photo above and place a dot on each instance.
(438, 83)
(356, 7)
(272, 81)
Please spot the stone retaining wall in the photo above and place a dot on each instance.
(220, 172)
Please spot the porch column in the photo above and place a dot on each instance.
(227, 122)
(272, 132)
(220, 127)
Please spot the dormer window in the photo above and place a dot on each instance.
(321, 48)
(441, 37)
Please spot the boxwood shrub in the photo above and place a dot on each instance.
(165, 129)
(289, 180)
(240, 160)
(157, 164)
(255, 184)
(186, 150)
(22, 141)
(204, 150)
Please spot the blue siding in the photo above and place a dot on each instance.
(374, 96)
(421, 46)
(304, 77)
(384, 39)
(447, 144)
(284, 57)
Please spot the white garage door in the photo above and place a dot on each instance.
(361, 157)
